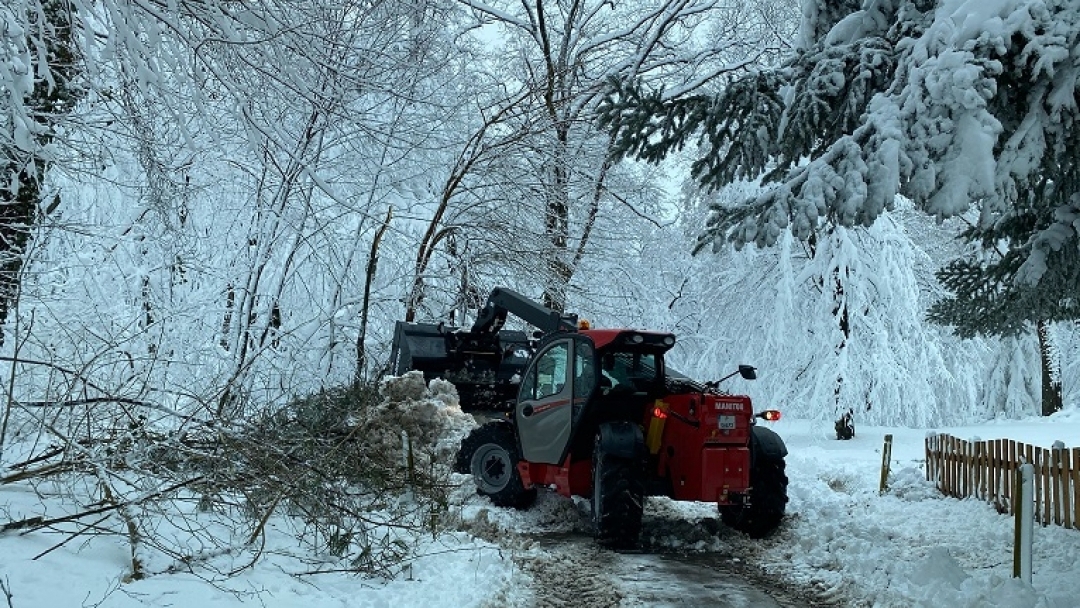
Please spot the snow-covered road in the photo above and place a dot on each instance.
(687, 558)
(568, 570)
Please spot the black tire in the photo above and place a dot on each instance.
(492, 455)
(768, 500)
(463, 460)
(618, 498)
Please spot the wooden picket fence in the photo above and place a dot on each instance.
(987, 470)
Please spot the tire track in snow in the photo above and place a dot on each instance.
(571, 571)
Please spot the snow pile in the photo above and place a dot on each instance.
(428, 412)
(939, 580)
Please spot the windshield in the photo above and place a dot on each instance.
(632, 369)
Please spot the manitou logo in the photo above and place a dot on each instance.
(727, 405)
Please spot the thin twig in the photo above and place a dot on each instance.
(5, 587)
(71, 537)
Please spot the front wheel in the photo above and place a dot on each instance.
(618, 498)
(492, 455)
(768, 500)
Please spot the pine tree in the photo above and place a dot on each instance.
(955, 106)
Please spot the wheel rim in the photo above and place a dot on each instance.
(491, 468)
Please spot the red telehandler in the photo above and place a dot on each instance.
(596, 413)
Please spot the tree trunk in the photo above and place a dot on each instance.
(1051, 381)
(369, 278)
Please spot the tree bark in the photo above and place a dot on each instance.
(1051, 382)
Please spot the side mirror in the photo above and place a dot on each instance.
(748, 372)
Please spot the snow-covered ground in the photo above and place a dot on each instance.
(910, 547)
(913, 546)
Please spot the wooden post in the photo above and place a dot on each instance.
(886, 460)
(1023, 497)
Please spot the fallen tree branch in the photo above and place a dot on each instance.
(56, 451)
(49, 469)
(87, 401)
(37, 523)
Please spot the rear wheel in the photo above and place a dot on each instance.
(492, 455)
(618, 498)
(768, 500)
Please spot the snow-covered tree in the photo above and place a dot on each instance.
(549, 67)
(222, 181)
(38, 89)
(949, 104)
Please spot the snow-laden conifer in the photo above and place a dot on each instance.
(954, 105)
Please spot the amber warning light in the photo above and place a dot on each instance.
(770, 415)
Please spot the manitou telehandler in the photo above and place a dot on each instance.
(596, 413)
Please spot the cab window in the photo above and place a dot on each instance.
(584, 369)
(628, 369)
(549, 373)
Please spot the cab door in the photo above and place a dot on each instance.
(554, 388)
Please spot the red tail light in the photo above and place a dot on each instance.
(658, 413)
(770, 415)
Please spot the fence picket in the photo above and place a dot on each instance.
(1076, 487)
(929, 457)
(986, 470)
(980, 479)
(958, 471)
(1029, 457)
(1066, 488)
(962, 457)
(1010, 473)
(1045, 470)
(950, 472)
(1055, 483)
(999, 483)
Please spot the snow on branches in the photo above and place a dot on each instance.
(952, 104)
